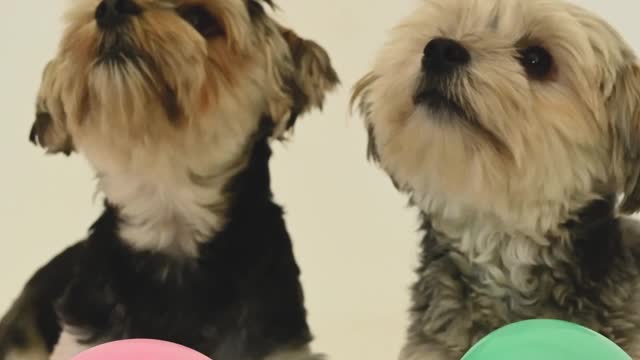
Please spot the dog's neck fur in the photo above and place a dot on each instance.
(590, 237)
(170, 209)
(475, 277)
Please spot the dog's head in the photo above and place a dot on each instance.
(166, 75)
(505, 107)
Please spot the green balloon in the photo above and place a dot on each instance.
(545, 340)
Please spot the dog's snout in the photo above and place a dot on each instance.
(110, 13)
(442, 55)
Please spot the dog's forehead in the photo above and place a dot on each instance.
(571, 33)
(508, 20)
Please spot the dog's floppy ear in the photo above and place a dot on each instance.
(49, 129)
(311, 77)
(360, 98)
(623, 106)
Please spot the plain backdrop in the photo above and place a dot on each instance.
(354, 237)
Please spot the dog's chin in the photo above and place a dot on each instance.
(116, 48)
(117, 56)
(446, 110)
(438, 102)
(132, 81)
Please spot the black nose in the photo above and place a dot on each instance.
(115, 12)
(442, 56)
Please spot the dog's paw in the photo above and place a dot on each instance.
(296, 354)
(19, 335)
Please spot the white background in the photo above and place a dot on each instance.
(354, 237)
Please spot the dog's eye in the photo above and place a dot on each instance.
(536, 61)
(201, 20)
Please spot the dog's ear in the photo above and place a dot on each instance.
(309, 80)
(623, 107)
(360, 98)
(49, 129)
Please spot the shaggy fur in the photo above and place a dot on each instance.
(517, 169)
(174, 103)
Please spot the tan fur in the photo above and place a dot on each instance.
(31, 354)
(69, 346)
(185, 110)
(558, 124)
(302, 353)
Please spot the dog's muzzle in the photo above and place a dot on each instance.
(442, 57)
(116, 44)
(113, 13)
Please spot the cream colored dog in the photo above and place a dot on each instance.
(514, 126)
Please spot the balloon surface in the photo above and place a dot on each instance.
(545, 340)
(140, 349)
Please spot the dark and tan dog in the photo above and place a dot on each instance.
(174, 103)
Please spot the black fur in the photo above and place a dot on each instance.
(54, 277)
(372, 151)
(597, 238)
(240, 299)
(36, 304)
(256, 10)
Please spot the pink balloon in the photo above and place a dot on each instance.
(140, 349)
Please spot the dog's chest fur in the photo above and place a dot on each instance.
(591, 278)
(170, 193)
(240, 298)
